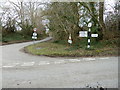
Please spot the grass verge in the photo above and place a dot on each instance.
(16, 38)
(60, 50)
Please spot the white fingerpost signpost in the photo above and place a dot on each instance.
(34, 36)
(88, 34)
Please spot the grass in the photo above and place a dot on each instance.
(15, 38)
(53, 49)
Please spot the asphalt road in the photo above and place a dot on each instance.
(21, 70)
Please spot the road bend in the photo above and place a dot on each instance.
(22, 70)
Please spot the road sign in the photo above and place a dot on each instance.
(34, 34)
(83, 34)
(94, 35)
(33, 37)
(90, 24)
(70, 39)
(35, 29)
(87, 34)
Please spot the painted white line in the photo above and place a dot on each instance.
(89, 59)
(105, 58)
(74, 60)
(7, 66)
(43, 63)
(10, 65)
(59, 62)
(28, 64)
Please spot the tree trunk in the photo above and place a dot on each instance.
(101, 12)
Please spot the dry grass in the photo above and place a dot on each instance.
(60, 50)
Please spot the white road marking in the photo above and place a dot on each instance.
(89, 59)
(43, 63)
(7, 66)
(46, 62)
(74, 60)
(28, 64)
(10, 65)
(105, 58)
(59, 62)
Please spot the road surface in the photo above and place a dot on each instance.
(22, 70)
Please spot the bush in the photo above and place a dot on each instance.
(111, 34)
(27, 31)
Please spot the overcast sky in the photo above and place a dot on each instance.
(108, 7)
(110, 1)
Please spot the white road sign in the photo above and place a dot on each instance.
(70, 41)
(35, 29)
(34, 34)
(83, 34)
(90, 24)
(94, 35)
(34, 37)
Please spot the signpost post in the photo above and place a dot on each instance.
(87, 34)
